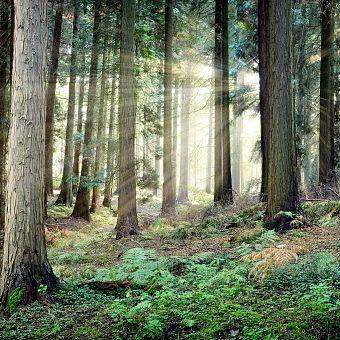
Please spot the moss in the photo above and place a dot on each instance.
(15, 298)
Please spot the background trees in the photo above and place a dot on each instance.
(169, 187)
(326, 136)
(82, 204)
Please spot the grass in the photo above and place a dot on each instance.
(190, 278)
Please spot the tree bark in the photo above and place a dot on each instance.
(158, 147)
(50, 99)
(25, 264)
(209, 149)
(175, 127)
(218, 103)
(66, 192)
(82, 206)
(169, 187)
(79, 140)
(326, 136)
(101, 131)
(183, 195)
(264, 95)
(5, 8)
(282, 179)
(111, 154)
(237, 136)
(127, 223)
(227, 190)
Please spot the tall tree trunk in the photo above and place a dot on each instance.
(227, 190)
(66, 192)
(183, 195)
(25, 265)
(127, 223)
(169, 187)
(326, 136)
(175, 127)
(101, 131)
(282, 179)
(4, 85)
(264, 93)
(218, 103)
(158, 147)
(145, 145)
(79, 140)
(237, 136)
(209, 149)
(82, 205)
(50, 99)
(111, 154)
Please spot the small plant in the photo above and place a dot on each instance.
(15, 298)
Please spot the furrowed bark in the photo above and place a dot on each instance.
(25, 264)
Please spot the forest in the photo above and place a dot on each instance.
(169, 169)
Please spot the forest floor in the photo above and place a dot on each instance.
(206, 274)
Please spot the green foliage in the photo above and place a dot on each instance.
(319, 268)
(324, 213)
(15, 298)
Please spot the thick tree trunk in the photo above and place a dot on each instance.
(169, 187)
(264, 95)
(25, 264)
(326, 136)
(79, 140)
(209, 149)
(227, 190)
(82, 205)
(50, 99)
(175, 127)
(282, 179)
(127, 223)
(5, 7)
(66, 192)
(183, 195)
(111, 154)
(101, 132)
(218, 103)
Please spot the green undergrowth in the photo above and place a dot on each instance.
(208, 295)
(201, 297)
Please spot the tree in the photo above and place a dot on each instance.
(110, 156)
(25, 264)
(174, 134)
(101, 128)
(326, 135)
(158, 148)
(183, 195)
(5, 7)
(209, 149)
(50, 98)
(227, 190)
(218, 103)
(82, 206)
(282, 178)
(79, 136)
(264, 96)
(169, 187)
(127, 223)
(66, 192)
